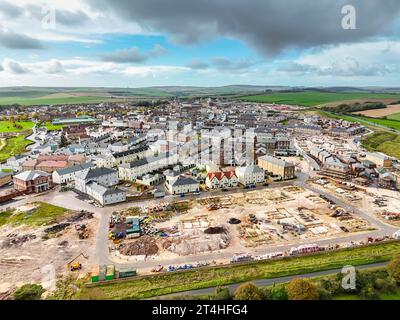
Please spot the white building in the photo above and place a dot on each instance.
(104, 195)
(250, 175)
(222, 180)
(104, 176)
(67, 175)
(131, 171)
(182, 184)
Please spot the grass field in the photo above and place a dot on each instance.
(8, 126)
(386, 142)
(146, 287)
(52, 127)
(395, 116)
(14, 146)
(55, 100)
(44, 214)
(315, 98)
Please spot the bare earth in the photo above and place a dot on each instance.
(377, 113)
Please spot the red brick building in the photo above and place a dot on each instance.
(33, 181)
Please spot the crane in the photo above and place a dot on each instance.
(74, 266)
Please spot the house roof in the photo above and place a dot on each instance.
(97, 172)
(79, 167)
(184, 180)
(31, 175)
(220, 175)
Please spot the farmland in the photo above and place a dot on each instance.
(379, 113)
(316, 98)
(146, 287)
(395, 116)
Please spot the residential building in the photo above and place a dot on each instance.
(104, 176)
(5, 178)
(182, 184)
(104, 195)
(277, 167)
(33, 181)
(380, 159)
(215, 180)
(67, 175)
(250, 175)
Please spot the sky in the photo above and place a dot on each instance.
(140, 43)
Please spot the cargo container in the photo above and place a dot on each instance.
(126, 273)
(110, 274)
(95, 274)
(102, 275)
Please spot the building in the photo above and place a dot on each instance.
(250, 175)
(67, 175)
(380, 159)
(104, 176)
(215, 180)
(5, 178)
(75, 121)
(182, 184)
(277, 167)
(104, 195)
(133, 170)
(33, 181)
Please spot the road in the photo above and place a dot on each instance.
(269, 282)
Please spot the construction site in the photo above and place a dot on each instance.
(32, 254)
(228, 224)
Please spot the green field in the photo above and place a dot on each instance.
(315, 98)
(146, 287)
(55, 101)
(386, 142)
(43, 214)
(52, 127)
(395, 116)
(13, 146)
(8, 126)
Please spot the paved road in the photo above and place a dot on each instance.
(269, 282)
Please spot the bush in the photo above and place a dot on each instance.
(369, 293)
(324, 294)
(393, 269)
(248, 291)
(29, 292)
(222, 294)
(301, 289)
(278, 293)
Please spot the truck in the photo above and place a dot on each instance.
(305, 249)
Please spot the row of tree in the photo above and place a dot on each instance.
(346, 108)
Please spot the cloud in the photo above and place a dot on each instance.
(14, 67)
(269, 26)
(9, 10)
(12, 40)
(1, 68)
(133, 55)
(224, 64)
(53, 67)
(197, 64)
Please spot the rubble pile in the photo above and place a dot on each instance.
(56, 228)
(215, 230)
(16, 240)
(80, 216)
(196, 242)
(145, 246)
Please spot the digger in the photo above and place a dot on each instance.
(75, 266)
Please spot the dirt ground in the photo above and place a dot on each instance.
(275, 211)
(378, 113)
(27, 257)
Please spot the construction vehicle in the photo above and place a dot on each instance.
(82, 230)
(75, 265)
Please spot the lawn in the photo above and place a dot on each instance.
(151, 286)
(13, 146)
(8, 126)
(52, 127)
(314, 98)
(386, 142)
(43, 214)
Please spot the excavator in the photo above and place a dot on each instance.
(74, 266)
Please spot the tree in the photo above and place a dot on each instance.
(248, 291)
(393, 269)
(278, 293)
(222, 294)
(64, 141)
(301, 289)
(29, 292)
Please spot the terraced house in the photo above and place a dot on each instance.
(215, 180)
